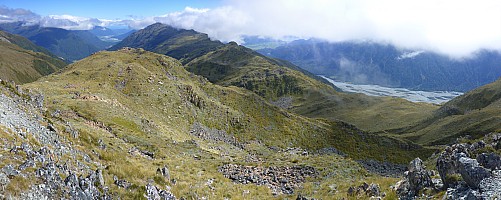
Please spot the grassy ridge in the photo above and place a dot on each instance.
(136, 99)
(242, 67)
(475, 113)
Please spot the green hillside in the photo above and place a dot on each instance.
(22, 61)
(279, 82)
(475, 114)
(134, 99)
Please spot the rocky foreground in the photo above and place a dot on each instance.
(465, 171)
(51, 158)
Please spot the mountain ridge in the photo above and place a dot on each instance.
(138, 120)
(274, 80)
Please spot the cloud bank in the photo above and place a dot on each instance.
(453, 27)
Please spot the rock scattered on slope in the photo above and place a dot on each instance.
(281, 180)
(370, 190)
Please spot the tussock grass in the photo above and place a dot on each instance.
(136, 99)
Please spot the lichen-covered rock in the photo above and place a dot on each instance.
(281, 180)
(447, 162)
(153, 193)
(164, 171)
(416, 179)
(471, 172)
(121, 182)
(4, 181)
(491, 187)
(489, 160)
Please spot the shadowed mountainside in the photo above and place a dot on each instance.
(387, 65)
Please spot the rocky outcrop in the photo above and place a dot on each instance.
(370, 190)
(164, 171)
(489, 160)
(281, 180)
(201, 131)
(416, 179)
(471, 172)
(447, 162)
(387, 169)
(153, 193)
(463, 177)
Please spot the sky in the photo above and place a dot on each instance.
(454, 27)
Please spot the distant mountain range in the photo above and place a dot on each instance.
(387, 65)
(68, 44)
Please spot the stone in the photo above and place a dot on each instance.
(477, 145)
(166, 195)
(416, 179)
(99, 176)
(121, 183)
(301, 197)
(28, 163)
(373, 190)
(4, 181)
(489, 160)
(152, 192)
(447, 162)
(71, 180)
(164, 171)
(491, 187)
(471, 172)
(10, 171)
(281, 180)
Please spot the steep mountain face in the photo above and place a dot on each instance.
(23, 61)
(70, 45)
(184, 45)
(373, 63)
(139, 124)
(473, 114)
(279, 82)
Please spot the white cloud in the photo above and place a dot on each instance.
(14, 15)
(454, 27)
(73, 22)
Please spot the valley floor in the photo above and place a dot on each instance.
(435, 97)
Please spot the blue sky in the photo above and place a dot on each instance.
(108, 9)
